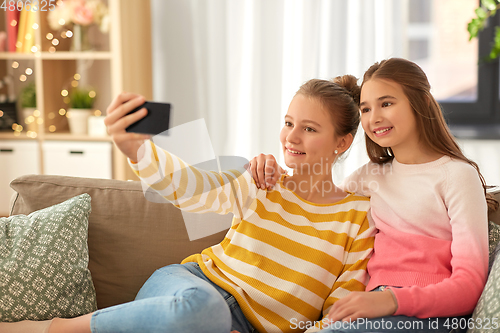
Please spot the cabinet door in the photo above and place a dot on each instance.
(17, 158)
(77, 159)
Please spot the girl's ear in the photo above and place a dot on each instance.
(344, 143)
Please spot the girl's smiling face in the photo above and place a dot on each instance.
(308, 136)
(387, 116)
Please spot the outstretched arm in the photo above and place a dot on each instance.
(187, 187)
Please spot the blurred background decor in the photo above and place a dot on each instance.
(80, 103)
(78, 16)
(27, 101)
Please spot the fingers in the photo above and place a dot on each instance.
(117, 119)
(363, 305)
(265, 171)
(344, 309)
(270, 170)
(253, 170)
(120, 125)
(260, 167)
(126, 136)
(277, 175)
(119, 100)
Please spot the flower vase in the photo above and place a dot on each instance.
(81, 41)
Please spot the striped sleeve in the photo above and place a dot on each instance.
(354, 276)
(192, 189)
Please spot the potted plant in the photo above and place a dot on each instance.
(27, 100)
(81, 103)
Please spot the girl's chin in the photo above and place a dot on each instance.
(380, 144)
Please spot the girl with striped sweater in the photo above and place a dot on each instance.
(291, 252)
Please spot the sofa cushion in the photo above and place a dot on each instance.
(493, 240)
(495, 216)
(486, 316)
(129, 236)
(44, 263)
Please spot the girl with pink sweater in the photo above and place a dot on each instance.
(429, 203)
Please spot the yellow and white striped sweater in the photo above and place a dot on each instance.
(284, 259)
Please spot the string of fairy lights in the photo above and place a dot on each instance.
(34, 119)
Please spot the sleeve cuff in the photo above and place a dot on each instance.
(147, 150)
(400, 295)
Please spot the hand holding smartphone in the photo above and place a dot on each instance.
(155, 122)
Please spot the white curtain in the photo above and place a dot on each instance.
(238, 63)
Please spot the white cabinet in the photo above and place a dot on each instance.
(77, 159)
(17, 158)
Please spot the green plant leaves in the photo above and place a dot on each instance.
(28, 96)
(488, 8)
(495, 49)
(489, 4)
(81, 98)
(474, 27)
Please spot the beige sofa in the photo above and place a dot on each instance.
(130, 237)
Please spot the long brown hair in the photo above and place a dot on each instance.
(431, 125)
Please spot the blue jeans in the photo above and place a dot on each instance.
(176, 298)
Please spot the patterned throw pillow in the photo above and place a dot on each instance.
(43, 263)
(486, 316)
(494, 238)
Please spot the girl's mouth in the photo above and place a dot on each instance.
(294, 152)
(382, 131)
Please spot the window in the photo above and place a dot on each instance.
(466, 87)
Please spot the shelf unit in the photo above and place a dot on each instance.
(120, 62)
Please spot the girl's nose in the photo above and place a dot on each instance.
(293, 136)
(376, 116)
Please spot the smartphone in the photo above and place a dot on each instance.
(155, 122)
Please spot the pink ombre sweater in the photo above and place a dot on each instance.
(433, 234)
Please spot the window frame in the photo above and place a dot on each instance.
(479, 119)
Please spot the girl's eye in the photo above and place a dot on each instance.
(385, 104)
(288, 124)
(310, 129)
(365, 110)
